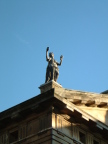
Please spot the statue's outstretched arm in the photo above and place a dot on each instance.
(61, 58)
(47, 58)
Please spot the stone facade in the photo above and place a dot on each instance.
(56, 116)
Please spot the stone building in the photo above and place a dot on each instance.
(57, 116)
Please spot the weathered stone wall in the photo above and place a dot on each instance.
(29, 130)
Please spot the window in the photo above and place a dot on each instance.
(13, 136)
(82, 137)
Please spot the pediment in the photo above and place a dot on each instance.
(93, 104)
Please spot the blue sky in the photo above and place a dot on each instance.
(77, 29)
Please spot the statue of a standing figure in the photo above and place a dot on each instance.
(52, 71)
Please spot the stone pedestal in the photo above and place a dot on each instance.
(47, 86)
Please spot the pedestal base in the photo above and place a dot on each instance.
(47, 86)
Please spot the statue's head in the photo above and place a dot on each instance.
(51, 55)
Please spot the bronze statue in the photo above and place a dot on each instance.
(52, 71)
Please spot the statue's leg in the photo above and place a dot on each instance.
(52, 73)
(47, 75)
(56, 74)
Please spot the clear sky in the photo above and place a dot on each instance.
(77, 29)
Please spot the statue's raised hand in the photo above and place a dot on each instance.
(61, 57)
(47, 49)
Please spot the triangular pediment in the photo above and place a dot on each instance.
(93, 104)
